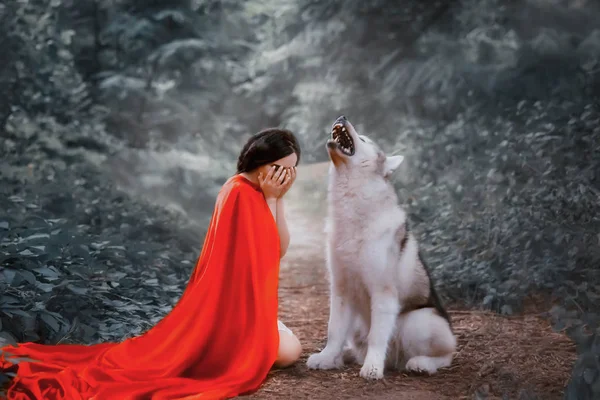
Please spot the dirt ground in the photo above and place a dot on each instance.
(496, 355)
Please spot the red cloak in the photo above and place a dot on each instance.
(219, 341)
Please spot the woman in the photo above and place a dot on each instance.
(222, 337)
(266, 160)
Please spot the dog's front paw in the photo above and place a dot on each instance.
(371, 371)
(325, 360)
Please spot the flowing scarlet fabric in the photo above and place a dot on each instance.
(219, 341)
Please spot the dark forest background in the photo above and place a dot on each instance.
(105, 104)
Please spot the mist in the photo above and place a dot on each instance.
(199, 77)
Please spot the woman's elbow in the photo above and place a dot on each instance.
(283, 249)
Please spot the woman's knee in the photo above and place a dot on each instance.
(290, 349)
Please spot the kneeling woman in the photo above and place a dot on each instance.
(223, 336)
(269, 160)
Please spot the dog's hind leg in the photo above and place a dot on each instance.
(395, 356)
(357, 343)
(427, 341)
(384, 313)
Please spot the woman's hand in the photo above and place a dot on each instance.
(289, 181)
(272, 184)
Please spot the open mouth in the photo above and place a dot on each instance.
(342, 138)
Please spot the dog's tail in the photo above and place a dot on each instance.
(434, 300)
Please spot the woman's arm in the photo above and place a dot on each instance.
(273, 190)
(284, 233)
(272, 203)
(269, 185)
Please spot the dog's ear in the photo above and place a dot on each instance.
(391, 164)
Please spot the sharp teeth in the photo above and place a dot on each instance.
(343, 128)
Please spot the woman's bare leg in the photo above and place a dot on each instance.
(290, 348)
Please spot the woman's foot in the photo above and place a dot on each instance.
(290, 348)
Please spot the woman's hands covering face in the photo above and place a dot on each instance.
(289, 180)
(276, 183)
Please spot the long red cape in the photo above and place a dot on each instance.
(219, 341)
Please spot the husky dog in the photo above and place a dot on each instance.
(384, 311)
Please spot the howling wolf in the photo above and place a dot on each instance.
(384, 311)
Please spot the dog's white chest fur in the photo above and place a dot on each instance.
(361, 224)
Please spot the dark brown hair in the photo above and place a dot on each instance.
(266, 146)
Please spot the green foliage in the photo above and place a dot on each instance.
(80, 278)
(584, 328)
(42, 77)
(150, 63)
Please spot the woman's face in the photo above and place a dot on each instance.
(285, 162)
